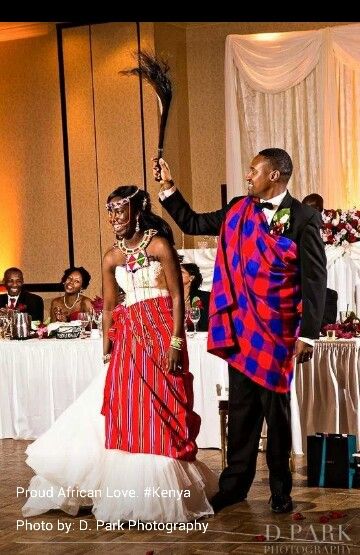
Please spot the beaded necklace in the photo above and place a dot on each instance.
(136, 257)
(72, 306)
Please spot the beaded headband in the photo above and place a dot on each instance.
(115, 205)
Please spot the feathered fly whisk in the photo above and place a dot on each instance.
(154, 71)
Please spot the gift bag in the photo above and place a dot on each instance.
(330, 460)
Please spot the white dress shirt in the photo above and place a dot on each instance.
(269, 214)
(276, 201)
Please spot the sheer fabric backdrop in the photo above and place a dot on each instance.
(298, 91)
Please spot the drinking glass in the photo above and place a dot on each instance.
(97, 319)
(194, 314)
(85, 319)
(330, 335)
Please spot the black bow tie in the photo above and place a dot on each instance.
(266, 204)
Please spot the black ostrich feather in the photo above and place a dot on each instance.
(154, 70)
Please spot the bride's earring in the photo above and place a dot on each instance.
(137, 227)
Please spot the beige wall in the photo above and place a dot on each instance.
(104, 131)
(105, 145)
(32, 214)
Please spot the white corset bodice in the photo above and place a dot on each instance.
(142, 284)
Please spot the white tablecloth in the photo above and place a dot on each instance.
(326, 392)
(343, 266)
(211, 382)
(39, 379)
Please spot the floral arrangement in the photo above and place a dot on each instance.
(21, 307)
(98, 304)
(340, 227)
(41, 328)
(347, 329)
(196, 303)
(280, 222)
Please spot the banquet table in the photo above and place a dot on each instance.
(325, 395)
(39, 379)
(325, 392)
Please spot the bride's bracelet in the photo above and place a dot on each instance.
(106, 358)
(176, 342)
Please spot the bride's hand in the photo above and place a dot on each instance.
(174, 357)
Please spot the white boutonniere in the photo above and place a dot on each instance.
(280, 222)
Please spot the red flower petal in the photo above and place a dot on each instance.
(336, 514)
(260, 538)
(298, 516)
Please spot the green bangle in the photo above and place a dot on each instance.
(176, 342)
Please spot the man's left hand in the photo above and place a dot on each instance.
(303, 351)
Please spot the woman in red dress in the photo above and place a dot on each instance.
(148, 393)
(148, 398)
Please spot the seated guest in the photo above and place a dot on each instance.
(18, 298)
(66, 307)
(314, 200)
(192, 280)
(330, 312)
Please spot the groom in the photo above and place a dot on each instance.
(266, 308)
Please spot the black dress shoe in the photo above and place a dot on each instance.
(281, 504)
(222, 500)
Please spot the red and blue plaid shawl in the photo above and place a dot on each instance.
(253, 316)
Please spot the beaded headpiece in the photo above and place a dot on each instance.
(116, 204)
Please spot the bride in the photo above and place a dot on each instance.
(127, 445)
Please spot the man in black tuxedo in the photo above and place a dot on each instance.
(250, 402)
(17, 297)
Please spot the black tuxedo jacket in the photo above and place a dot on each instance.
(304, 230)
(34, 304)
(330, 312)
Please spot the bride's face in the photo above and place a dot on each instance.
(121, 219)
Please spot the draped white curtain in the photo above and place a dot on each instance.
(298, 91)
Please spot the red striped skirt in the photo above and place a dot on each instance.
(146, 409)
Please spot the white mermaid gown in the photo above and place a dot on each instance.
(73, 468)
